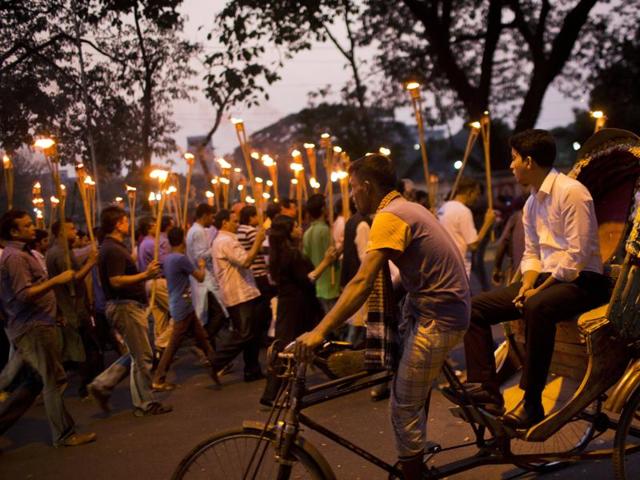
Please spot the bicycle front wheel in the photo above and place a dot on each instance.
(240, 453)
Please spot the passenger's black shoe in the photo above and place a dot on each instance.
(524, 415)
(489, 401)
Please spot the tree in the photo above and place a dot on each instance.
(615, 89)
(472, 55)
(136, 65)
(246, 27)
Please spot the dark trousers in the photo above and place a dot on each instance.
(243, 339)
(189, 325)
(559, 302)
(216, 319)
(24, 390)
(39, 349)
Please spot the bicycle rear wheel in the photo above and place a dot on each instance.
(627, 440)
(226, 456)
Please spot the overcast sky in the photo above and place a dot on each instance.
(307, 71)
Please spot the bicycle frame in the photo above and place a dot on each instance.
(493, 451)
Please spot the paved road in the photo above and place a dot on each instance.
(150, 448)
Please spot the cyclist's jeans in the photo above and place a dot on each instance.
(426, 347)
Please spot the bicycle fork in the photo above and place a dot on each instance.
(290, 427)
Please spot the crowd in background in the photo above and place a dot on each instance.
(229, 285)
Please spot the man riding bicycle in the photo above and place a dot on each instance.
(437, 308)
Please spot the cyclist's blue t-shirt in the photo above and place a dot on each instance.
(177, 268)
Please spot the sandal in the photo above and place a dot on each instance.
(163, 386)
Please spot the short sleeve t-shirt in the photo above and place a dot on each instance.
(431, 268)
(457, 220)
(114, 260)
(177, 269)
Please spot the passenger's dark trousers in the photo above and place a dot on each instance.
(39, 348)
(557, 303)
(181, 328)
(244, 338)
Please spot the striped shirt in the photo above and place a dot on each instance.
(246, 236)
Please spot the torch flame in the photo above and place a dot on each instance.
(597, 114)
(160, 175)
(267, 161)
(44, 143)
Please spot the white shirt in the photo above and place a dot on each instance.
(560, 229)
(236, 282)
(457, 220)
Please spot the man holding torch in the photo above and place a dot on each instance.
(124, 289)
(30, 307)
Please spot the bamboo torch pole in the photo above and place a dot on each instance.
(272, 167)
(600, 118)
(47, 145)
(189, 158)
(244, 147)
(474, 131)
(81, 177)
(485, 123)
(7, 166)
(131, 198)
(416, 101)
(161, 176)
(311, 156)
(215, 184)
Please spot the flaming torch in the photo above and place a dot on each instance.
(7, 167)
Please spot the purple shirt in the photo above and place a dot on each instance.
(19, 271)
(145, 252)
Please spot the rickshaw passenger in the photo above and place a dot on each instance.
(432, 272)
(561, 277)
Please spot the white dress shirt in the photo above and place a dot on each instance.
(561, 229)
(457, 220)
(236, 282)
(198, 241)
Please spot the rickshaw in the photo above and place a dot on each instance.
(592, 398)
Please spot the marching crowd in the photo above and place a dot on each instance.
(235, 280)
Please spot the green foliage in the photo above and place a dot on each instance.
(134, 70)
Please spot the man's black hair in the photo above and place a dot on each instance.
(288, 202)
(246, 213)
(537, 144)
(376, 169)
(315, 205)
(8, 222)
(144, 225)
(40, 235)
(55, 228)
(204, 209)
(175, 236)
(222, 216)
(110, 217)
(467, 184)
(273, 210)
(165, 223)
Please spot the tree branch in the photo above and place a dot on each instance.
(29, 51)
(490, 44)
